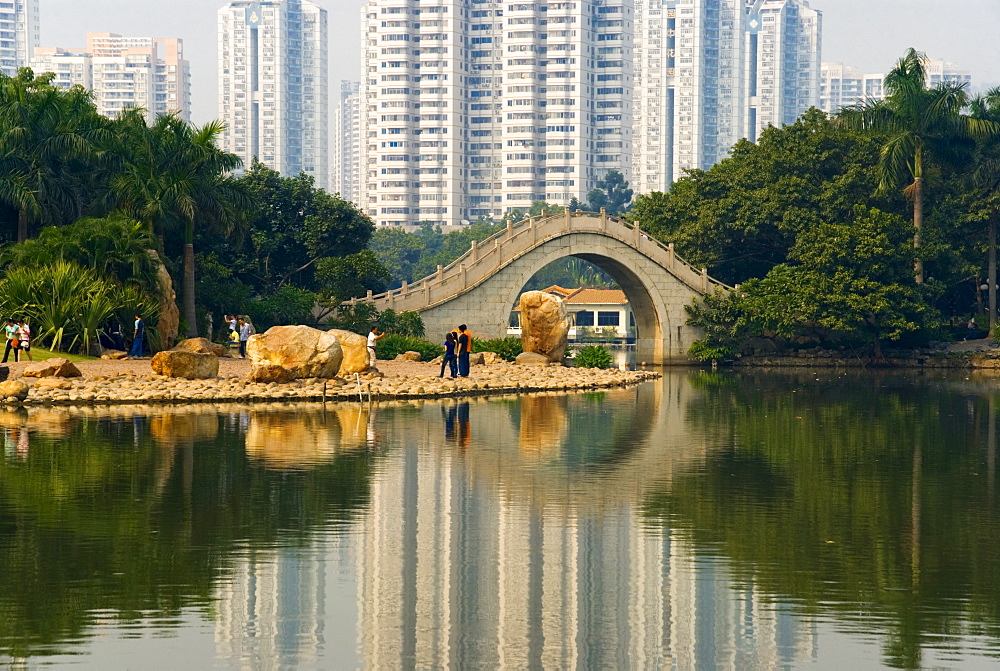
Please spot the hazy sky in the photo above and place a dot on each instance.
(870, 34)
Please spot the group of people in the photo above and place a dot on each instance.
(240, 330)
(457, 348)
(18, 335)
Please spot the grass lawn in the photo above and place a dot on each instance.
(41, 354)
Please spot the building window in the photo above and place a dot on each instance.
(584, 318)
(608, 318)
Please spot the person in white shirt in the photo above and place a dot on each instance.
(373, 336)
(24, 334)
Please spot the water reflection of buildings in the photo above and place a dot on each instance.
(499, 556)
(273, 609)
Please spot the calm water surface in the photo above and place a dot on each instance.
(705, 521)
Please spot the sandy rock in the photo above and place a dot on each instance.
(437, 361)
(51, 383)
(114, 355)
(187, 365)
(202, 346)
(271, 373)
(544, 325)
(477, 358)
(306, 351)
(408, 356)
(531, 359)
(169, 321)
(492, 358)
(55, 367)
(15, 389)
(355, 348)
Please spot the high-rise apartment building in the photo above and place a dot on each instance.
(124, 72)
(842, 85)
(346, 172)
(784, 40)
(273, 85)
(709, 72)
(478, 108)
(19, 34)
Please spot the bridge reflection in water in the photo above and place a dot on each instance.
(523, 546)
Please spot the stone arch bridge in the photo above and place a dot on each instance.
(481, 287)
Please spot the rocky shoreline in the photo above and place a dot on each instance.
(394, 382)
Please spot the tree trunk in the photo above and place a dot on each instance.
(992, 279)
(22, 226)
(190, 316)
(918, 225)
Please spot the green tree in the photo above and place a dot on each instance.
(47, 141)
(612, 193)
(740, 217)
(293, 226)
(172, 176)
(986, 178)
(917, 123)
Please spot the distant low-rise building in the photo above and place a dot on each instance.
(844, 86)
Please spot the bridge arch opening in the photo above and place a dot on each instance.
(642, 325)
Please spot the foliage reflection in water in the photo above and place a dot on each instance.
(747, 521)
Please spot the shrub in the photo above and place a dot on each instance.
(508, 348)
(594, 356)
(393, 344)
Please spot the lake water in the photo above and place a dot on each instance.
(704, 521)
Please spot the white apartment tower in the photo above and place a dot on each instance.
(784, 40)
(19, 34)
(478, 107)
(690, 86)
(124, 72)
(842, 85)
(273, 85)
(346, 172)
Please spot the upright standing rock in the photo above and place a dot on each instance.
(544, 325)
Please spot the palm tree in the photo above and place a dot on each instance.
(171, 176)
(917, 122)
(987, 177)
(46, 139)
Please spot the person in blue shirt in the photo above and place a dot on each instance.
(449, 359)
(138, 334)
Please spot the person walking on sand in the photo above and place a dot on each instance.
(449, 355)
(13, 341)
(373, 336)
(24, 335)
(245, 331)
(138, 333)
(464, 349)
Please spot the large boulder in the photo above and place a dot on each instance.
(544, 325)
(55, 367)
(491, 358)
(114, 355)
(531, 359)
(202, 346)
(305, 351)
(355, 349)
(187, 365)
(13, 389)
(408, 356)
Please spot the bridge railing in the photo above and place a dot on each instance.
(486, 257)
